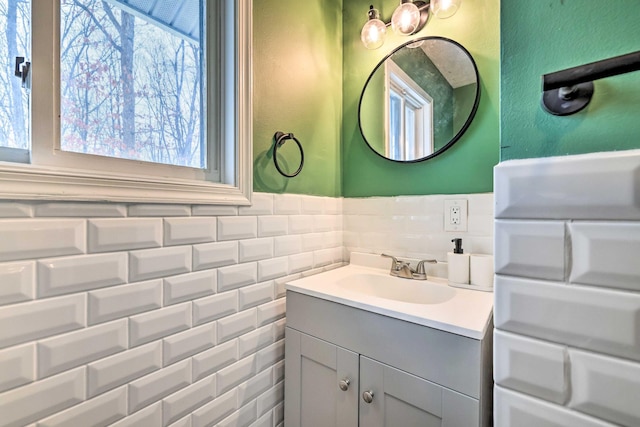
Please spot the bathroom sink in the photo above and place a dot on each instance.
(397, 289)
(366, 284)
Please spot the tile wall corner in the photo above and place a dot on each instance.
(567, 291)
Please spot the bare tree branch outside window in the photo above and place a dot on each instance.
(130, 88)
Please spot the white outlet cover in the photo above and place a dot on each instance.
(448, 223)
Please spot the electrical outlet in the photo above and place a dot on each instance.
(455, 215)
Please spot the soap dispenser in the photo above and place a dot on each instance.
(458, 264)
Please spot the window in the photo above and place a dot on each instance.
(127, 100)
(15, 18)
(409, 110)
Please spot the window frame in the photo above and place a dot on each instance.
(56, 180)
(419, 101)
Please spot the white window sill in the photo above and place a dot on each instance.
(30, 182)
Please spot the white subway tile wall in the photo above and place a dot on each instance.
(519, 409)
(153, 315)
(537, 367)
(18, 282)
(39, 238)
(171, 315)
(567, 291)
(16, 365)
(35, 401)
(518, 240)
(413, 226)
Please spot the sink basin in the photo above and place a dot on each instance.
(365, 284)
(397, 289)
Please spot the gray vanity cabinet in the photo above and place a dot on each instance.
(321, 382)
(398, 373)
(328, 386)
(402, 399)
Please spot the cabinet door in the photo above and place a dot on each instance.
(402, 399)
(313, 393)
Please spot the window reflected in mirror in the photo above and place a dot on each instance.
(409, 112)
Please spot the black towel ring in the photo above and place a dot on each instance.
(281, 138)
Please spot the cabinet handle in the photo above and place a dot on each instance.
(344, 384)
(367, 396)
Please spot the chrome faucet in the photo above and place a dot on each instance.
(403, 269)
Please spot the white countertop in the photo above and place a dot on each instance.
(468, 313)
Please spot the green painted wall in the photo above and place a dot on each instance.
(298, 88)
(539, 37)
(467, 167)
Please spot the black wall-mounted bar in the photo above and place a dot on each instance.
(569, 91)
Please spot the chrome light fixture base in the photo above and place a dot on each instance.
(423, 6)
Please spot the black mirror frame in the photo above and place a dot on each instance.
(462, 130)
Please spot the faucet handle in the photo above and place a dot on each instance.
(390, 256)
(420, 266)
(396, 264)
(393, 259)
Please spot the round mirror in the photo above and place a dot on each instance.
(419, 100)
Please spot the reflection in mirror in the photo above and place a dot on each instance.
(419, 100)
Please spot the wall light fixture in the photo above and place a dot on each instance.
(408, 18)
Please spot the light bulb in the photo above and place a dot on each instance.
(373, 31)
(405, 19)
(445, 8)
